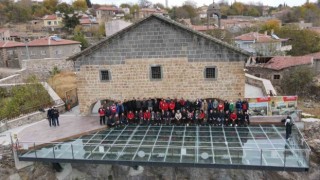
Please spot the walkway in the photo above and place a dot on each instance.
(70, 125)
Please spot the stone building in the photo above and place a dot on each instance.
(50, 47)
(158, 57)
(4, 34)
(275, 68)
(10, 54)
(106, 13)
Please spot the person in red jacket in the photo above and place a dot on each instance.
(165, 106)
(161, 104)
(130, 117)
(146, 117)
(221, 106)
(233, 118)
(102, 112)
(201, 117)
(172, 105)
(113, 109)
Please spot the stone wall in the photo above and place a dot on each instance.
(180, 79)
(264, 84)
(13, 79)
(42, 67)
(157, 38)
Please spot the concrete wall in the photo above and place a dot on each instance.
(264, 84)
(180, 79)
(10, 57)
(113, 27)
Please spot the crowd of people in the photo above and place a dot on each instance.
(53, 116)
(175, 112)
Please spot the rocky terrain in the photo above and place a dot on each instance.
(94, 171)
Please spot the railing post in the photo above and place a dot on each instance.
(35, 151)
(72, 151)
(261, 157)
(284, 160)
(91, 151)
(54, 154)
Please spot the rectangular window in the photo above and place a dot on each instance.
(276, 76)
(49, 23)
(43, 52)
(156, 72)
(210, 73)
(104, 75)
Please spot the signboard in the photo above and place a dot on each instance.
(271, 106)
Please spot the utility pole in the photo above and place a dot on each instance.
(167, 6)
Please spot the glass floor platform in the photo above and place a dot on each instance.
(255, 147)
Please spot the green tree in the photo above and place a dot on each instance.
(79, 36)
(70, 22)
(65, 8)
(292, 82)
(302, 41)
(51, 5)
(80, 5)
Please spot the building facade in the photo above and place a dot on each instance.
(262, 44)
(278, 66)
(158, 57)
(10, 54)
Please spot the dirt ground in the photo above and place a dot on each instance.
(63, 82)
(309, 107)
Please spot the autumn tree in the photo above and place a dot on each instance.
(80, 5)
(70, 22)
(270, 25)
(65, 8)
(50, 5)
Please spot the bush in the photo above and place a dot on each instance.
(298, 81)
(25, 99)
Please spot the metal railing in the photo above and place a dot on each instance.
(275, 157)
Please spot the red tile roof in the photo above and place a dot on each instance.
(314, 55)
(254, 36)
(282, 62)
(9, 44)
(87, 21)
(51, 42)
(3, 30)
(50, 17)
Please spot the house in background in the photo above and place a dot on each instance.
(52, 22)
(145, 12)
(10, 54)
(106, 13)
(115, 26)
(4, 34)
(50, 47)
(88, 22)
(262, 44)
(275, 68)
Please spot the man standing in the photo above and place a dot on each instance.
(55, 117)
(288, 124)
(102, 113)
(50, 117)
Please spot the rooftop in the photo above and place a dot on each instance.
(257, 37)
(8, 44)
(50, 17)
(47, 41)
(255, 147)
(282, 62)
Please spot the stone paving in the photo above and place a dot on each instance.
(70, 125)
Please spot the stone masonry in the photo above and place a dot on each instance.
(180, 79)
(182, 53)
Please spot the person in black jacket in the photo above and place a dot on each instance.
(56, 116)
(210, 118)
(50, 116)
(246, 118)
(138, 104)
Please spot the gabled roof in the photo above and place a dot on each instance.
(87, 21)
(50, 17)
(314, 55)
(161, 18)
(9, 44)
(257, 37)
(51, 42)
(108, 8)
(282, 62)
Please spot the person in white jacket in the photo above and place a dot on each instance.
(178, 117)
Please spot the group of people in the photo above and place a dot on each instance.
(175, 112)
(53, 116)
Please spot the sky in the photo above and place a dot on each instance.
(207, 2)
